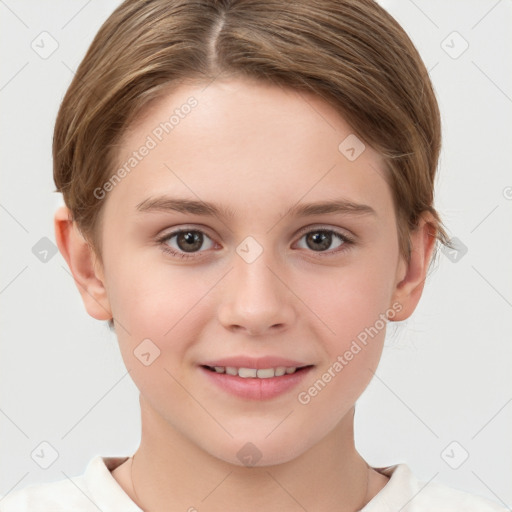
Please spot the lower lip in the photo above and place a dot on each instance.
(254, 388)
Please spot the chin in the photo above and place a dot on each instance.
(261, 452)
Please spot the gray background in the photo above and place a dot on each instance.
(442, 391)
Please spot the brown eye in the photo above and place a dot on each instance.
(189, 241)
(322, 240)
(185, 242)
(319, 241)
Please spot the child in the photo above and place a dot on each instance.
(293, 146)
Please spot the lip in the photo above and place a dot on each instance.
(255, 362)
(255, 388)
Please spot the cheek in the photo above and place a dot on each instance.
(355, 308)
(151, 298)
(152, 313)
(353, 304)
(348, 299)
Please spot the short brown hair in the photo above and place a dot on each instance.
(352, 53)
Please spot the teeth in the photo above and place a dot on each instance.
(247, 372)
(262, 373)
(280, 370)
(266, 373)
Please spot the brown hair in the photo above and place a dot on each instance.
(352, 53)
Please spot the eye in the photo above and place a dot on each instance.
(183, 241)
(186, 243)
(320, 240)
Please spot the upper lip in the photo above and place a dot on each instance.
(255, 362)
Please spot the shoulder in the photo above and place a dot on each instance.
(95, 490)
(406, 493)
(442, 498)
(56, 496)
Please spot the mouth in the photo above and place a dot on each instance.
(248, 383)
(257, 373)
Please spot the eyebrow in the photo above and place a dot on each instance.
(166, 203)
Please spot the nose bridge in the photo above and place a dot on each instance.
(255, 299)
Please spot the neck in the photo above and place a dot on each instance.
(169, 469)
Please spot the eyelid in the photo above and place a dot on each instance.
(344, 233)
(176, 230)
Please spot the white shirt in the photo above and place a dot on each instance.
(97, 490)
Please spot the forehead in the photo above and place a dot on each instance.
(241, 142)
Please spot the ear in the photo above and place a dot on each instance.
(411, 276)
(83, 263)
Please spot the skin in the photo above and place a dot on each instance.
(275, 147)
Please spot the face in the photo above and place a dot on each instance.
(211, 258)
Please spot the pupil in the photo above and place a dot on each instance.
(192, 239)
(320, 237)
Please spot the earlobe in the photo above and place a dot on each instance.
(83, 265)
(409, 288)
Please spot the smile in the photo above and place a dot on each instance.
(255, 383)
(254, 373)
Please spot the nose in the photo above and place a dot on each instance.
(256, 298)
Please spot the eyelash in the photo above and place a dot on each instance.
(347, 242)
